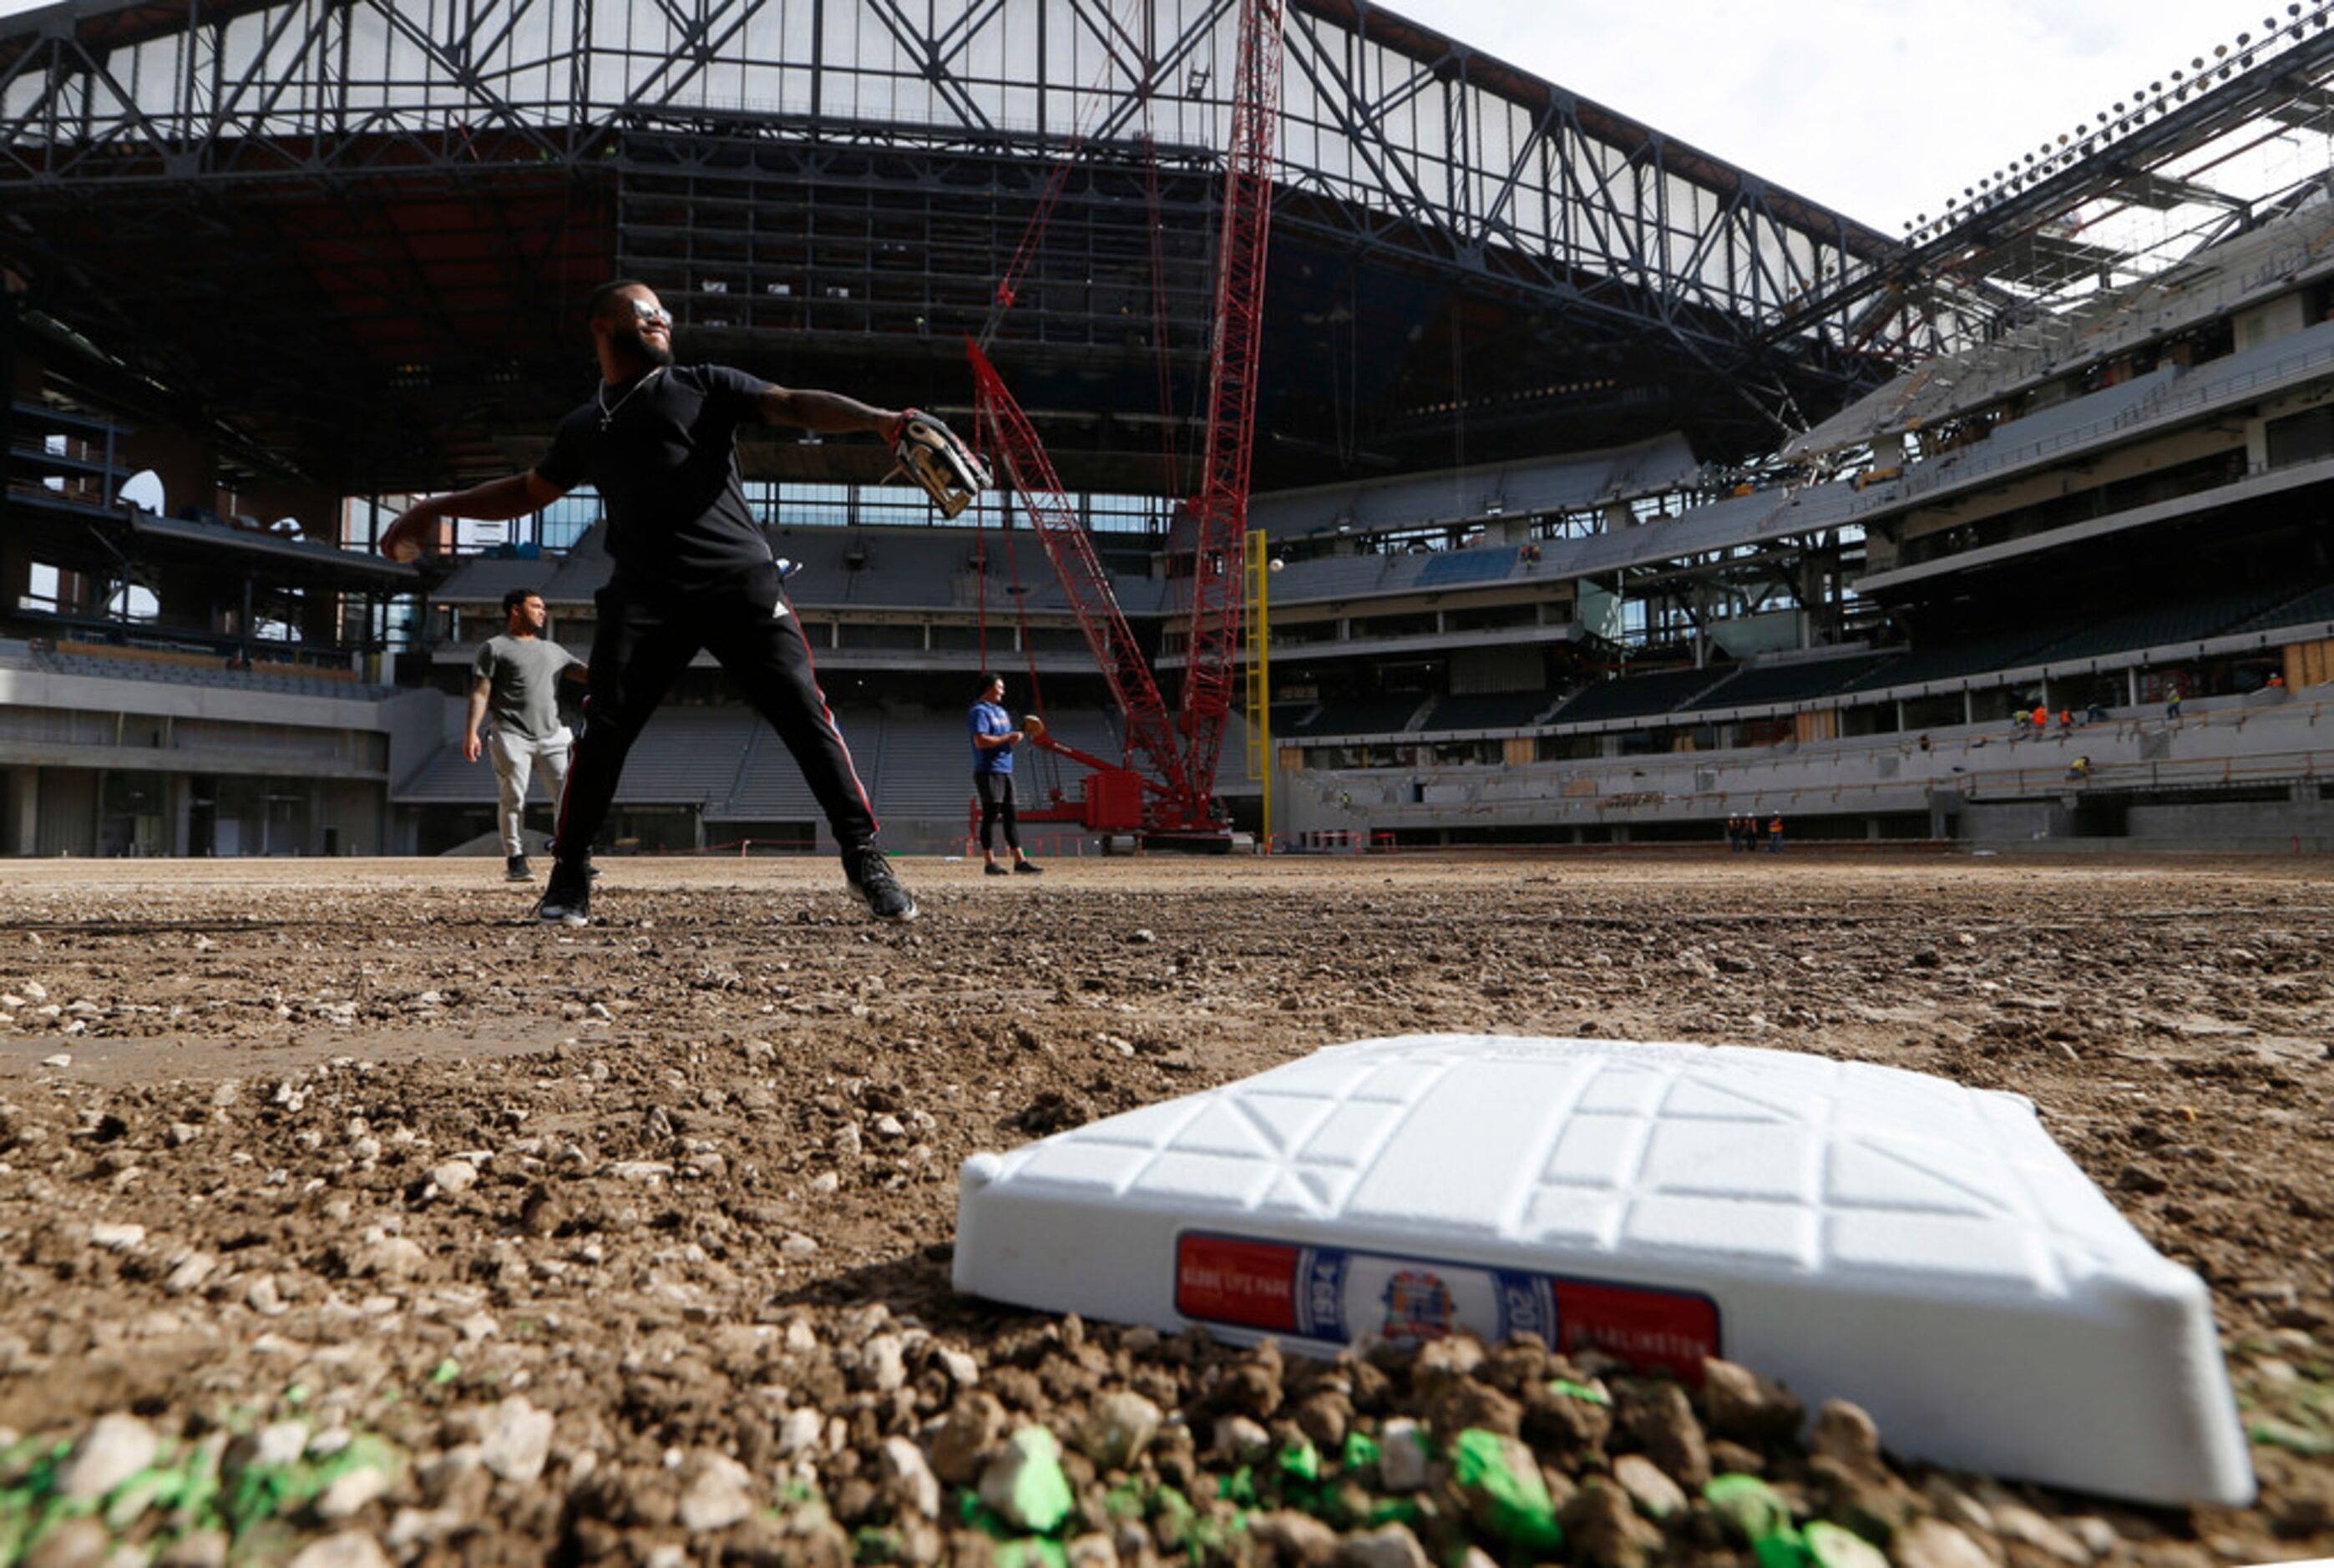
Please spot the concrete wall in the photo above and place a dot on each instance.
(418, 723)
(2302, 825)
(2016, 821)
(67, 803)
(1982, 783)
(321, 790)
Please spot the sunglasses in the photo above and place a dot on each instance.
(650, 315)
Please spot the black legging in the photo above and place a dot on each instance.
(640, 649)
(996, 792)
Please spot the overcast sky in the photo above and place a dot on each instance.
(1878, 109)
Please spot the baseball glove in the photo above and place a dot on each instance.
(1032, 725)
(931, 454)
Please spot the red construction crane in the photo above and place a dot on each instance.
(1178, 798)
(1220, 511)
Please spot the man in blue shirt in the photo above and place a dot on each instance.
(993, 736)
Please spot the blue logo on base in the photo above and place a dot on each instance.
(1418, 1306)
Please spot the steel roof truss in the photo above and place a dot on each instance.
(1532, 146)
(492, 104)
(258, 65)
(928, 50)
(1405, 192)
(1131, 107)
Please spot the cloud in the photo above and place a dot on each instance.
(1878, 109)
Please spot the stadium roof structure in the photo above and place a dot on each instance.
(2217, 146)
(359, 232)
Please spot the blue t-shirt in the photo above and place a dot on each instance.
(988, 719)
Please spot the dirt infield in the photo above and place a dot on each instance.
(630, 1243)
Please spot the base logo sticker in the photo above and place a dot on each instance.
(1336, 1295)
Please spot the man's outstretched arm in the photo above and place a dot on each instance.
(828, 413)
(496, 501)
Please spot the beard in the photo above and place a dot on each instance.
(656, 353)
(646, 351)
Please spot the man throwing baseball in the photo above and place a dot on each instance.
(692, 571)
(993, 737)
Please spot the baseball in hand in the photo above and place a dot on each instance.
(405, 538)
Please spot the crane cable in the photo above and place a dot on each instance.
(1008, 286)
(1007, 294)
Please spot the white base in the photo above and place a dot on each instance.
(1860, 1232)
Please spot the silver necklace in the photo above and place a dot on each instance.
(607, 409)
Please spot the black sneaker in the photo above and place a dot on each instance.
(1027, 869)
(870, 876)
(993, 869)
(567, 898)
(516, 869)
(590, 870)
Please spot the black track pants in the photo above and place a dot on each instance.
(642, 645)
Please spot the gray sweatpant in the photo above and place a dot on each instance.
(515, 757)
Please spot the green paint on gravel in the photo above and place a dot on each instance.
(1518, 1507)
(1750, 1508)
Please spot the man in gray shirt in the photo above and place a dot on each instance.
(516, 679)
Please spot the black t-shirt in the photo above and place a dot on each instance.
(663, 455)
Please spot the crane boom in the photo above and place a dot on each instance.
(1149, 731)
(1182, 749)
(1220, 511)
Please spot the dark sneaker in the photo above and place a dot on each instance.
(993, 869)
(870, 876)
(590, 871)
(566, 897)
(516, 869)
(1027, 869)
